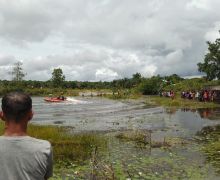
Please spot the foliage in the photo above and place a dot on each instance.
(17, 72)
(156, 84)
(194, 84)
(57, 78)
(150, 86)
(136, 79)
(173, 79)
(211, 65)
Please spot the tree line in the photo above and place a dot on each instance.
(145, 85)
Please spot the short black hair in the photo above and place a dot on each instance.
(16, 105)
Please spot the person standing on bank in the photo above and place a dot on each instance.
(22, 157)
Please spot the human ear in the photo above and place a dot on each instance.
(30, 115)
(2, 116)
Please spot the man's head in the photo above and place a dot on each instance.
(16, 106)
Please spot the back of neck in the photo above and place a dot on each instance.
(15, 129)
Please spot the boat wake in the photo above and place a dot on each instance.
(76, 101)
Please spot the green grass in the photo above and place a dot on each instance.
(66, 145)
(180, 103)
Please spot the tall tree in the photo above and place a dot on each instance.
(57, 77)
(136, 79)
(211, 65)
(17, 72)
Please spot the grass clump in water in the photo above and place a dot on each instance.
(144, 137)
(135, 135)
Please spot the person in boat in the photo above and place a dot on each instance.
(22, 156)
(61, 97)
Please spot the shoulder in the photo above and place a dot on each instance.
(25, 139)
(42, 144)
(41, 148)
(39, 141)
(27, 143)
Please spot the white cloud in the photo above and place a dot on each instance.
(6, 60)
(200, 4)
(106, 74)
(174, 57)
(213, 33)
(96, 40)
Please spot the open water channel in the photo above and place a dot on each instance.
(184, 160)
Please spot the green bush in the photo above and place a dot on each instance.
(150, 86)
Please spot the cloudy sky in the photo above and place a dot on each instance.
(106, 39)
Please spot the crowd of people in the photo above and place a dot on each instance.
(203, 95)
(170, 94)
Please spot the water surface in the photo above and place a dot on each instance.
(100, 114)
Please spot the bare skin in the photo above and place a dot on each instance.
(12, 128)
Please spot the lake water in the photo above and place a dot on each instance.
(100, 114)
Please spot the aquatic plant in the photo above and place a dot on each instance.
(143, 137)
(135, 135)
(209, 137)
